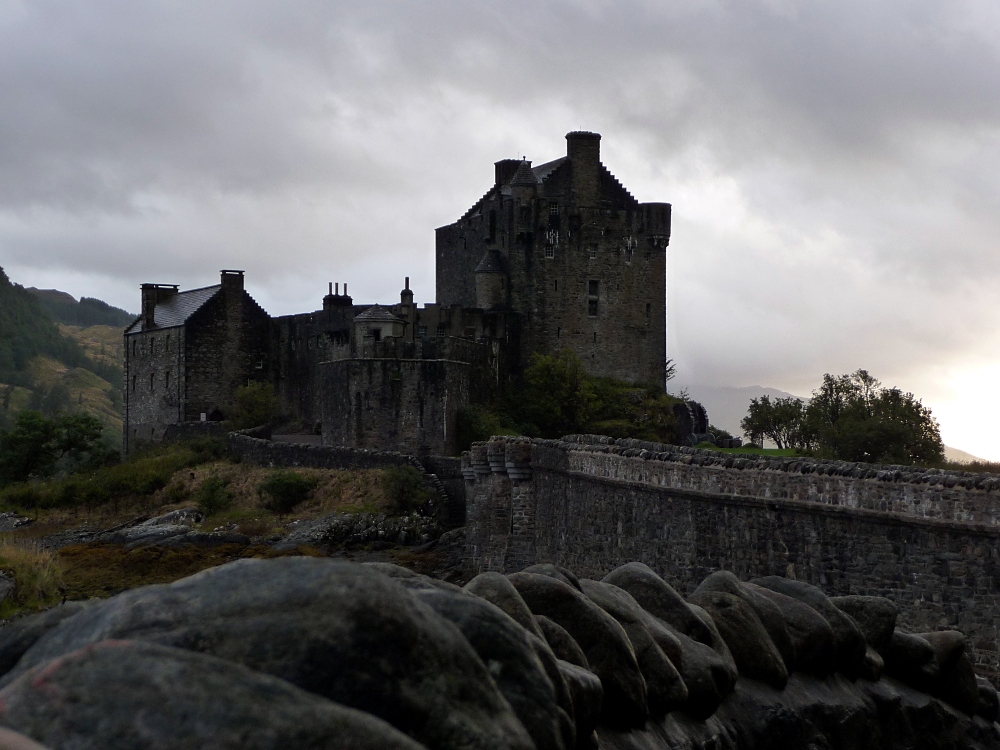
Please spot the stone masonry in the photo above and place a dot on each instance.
(927, 539)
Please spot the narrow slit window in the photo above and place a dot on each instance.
(152, 377)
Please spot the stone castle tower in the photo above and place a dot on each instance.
(577, 259)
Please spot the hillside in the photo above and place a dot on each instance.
(88, 311)
(53, 367)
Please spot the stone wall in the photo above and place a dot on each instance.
(929, 540)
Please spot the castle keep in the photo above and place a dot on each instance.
(551, 257)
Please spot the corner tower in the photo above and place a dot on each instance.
(583, 262)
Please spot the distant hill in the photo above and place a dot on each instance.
(52, 368)
(961, 457)
(65, 309)
(726, 406)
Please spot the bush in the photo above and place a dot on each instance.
(404, 487)
(256, 404)
(284, 490)
(37, 578)
(213, 496)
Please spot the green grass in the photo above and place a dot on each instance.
(778, 452)
(37, 574)
(140, 475)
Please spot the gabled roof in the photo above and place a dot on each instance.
(176, 309)
(378, 314)
(542, 171)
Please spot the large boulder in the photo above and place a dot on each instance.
(17, 636)
(911, 659)
(506, 650)
(989, 703)
(657, 597)
(555, 571)
(956, 681)
(767, 611)
(602, 639)
(753, 650)
(811, 634)
(567, 716)
(410, 579)
(497, 590)
(848, 642)
(563, 645)
(587, 694)
(11, 740)
(340, 630)
(130, 695)
(715, 639)
(665, 690)
(707, 676)
(875, 617)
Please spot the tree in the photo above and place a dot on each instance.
(255, 404)
(854, 418)
(558, 398)
(779, 421)
(36, 444)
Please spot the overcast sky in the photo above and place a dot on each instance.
(834, 166)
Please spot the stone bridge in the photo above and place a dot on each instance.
(928, 539)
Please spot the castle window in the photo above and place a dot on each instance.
(422, 331)
(166, 379)
(550, 252)
(595, 337)
(166, 344)
(493, 226)
(553, 209)
(441, 332)
(470, 333)
(558, 333)
(525, 214)
(592, 308)
(555, 285)
(151, 377)
(134, 342)
(375, 333)
(593, 287)
(593, 252)
(260, 363)
(649, 310)
(134, 379)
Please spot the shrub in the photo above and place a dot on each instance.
(213, 495)
(255, 404)
(37, 578)
(404, 487)
(284, 490)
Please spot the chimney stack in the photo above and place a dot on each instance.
(504, 170)
(584, 151)
(151, 295)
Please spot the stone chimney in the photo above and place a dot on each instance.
(232, 281)
(153, 294)
(505, 169)
(584, 152)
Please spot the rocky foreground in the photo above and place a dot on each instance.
(300, 652)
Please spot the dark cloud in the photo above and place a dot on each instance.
(833, 165)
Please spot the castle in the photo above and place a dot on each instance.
(552, 257)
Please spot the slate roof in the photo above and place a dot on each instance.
(524, 175)
(378, 314)
(176, 310)
(542, 171)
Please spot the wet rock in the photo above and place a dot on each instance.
(563, 645)
(587, 694)
(873, 666)
(339, 630)
(848, 642)
(658, 598)
(707, 676)
(129, 695)
(811, 634)
(19, 635)
(875, 616)
(665, 690)
(956, 680)
(767, 611)
(911, 659)
(11, 740)
(505, 649)
(754, 652)
(989, 704)
(564, 700)
(410, 579)
(555, 571)
(602, 639)
(496, 589)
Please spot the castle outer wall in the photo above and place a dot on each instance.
(928, 540)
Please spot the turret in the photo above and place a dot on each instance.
(491, 281)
